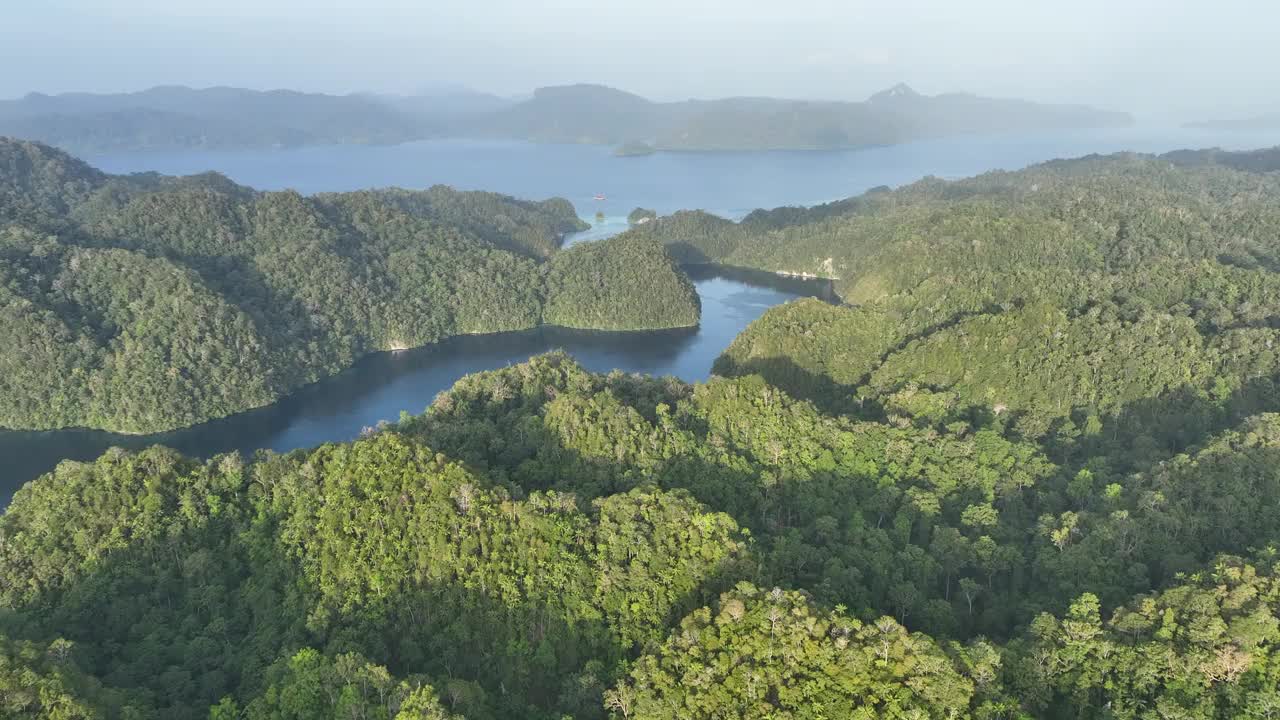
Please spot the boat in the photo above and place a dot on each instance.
(599, 196)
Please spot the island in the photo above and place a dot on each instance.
(634, 149)
(640, 216)
(596, 114)
(144, 303)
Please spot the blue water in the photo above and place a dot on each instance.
(730, 184)
(381, 386)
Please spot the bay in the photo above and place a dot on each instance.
(729, 184)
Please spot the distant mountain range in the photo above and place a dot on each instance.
(598, 114)
(175, 117)
(215, 118)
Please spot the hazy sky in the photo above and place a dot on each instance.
(1179, 57)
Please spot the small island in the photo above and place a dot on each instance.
(634, 149)
(641, 216)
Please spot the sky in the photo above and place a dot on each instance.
(1181, 59)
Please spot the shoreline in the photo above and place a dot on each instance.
(363, 358)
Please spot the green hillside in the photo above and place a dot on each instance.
(144, 303)
(548, 543)
(1029, 470)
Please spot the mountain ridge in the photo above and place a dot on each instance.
(222, 117)
(599, 114)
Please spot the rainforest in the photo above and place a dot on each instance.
(1027, 466)
(144, 303)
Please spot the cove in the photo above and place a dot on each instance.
(382, 385)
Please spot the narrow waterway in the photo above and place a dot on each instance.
(383, 385)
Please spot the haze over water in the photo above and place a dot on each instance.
(729, 184)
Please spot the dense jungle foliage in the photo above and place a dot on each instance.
(1033, 474)
(593, 285)
(1129, 291)
(547, 543)
(143, 303)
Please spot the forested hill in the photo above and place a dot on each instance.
(598, 114)
(1132, 291)
(546, 543)
(143, 303)
(175, 117)
(1007, 233)
(223, 118)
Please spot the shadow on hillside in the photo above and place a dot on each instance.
(819, 388)
(1147, 431)
(1134, 437)
(815, 287)
(173, 621)
(800, 383)
(1177, 520)
(688, 254)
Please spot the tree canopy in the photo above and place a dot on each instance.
(145, 303)
(1035, 478)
